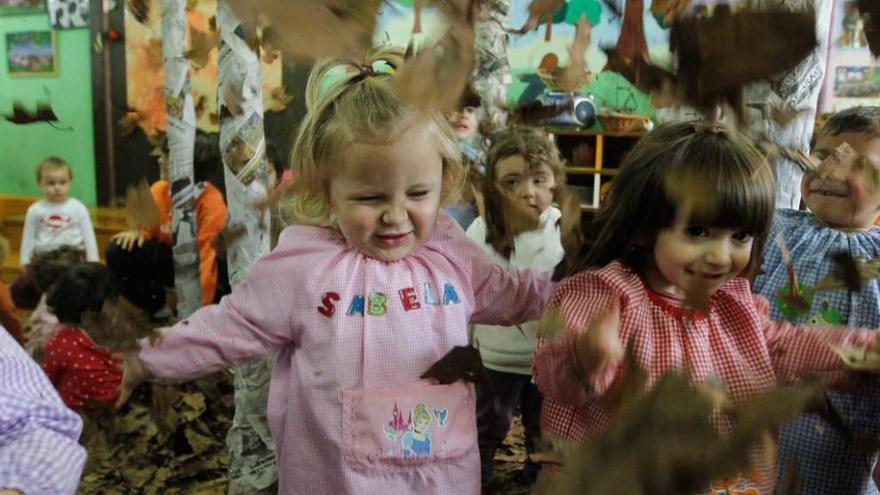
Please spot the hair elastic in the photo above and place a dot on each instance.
(341, 72)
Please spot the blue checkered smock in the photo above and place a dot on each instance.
(824, 450)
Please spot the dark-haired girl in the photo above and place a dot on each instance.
(684, 220)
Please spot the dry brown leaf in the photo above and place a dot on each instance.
(570, 227)
(231, 101)
(460, 363)
(662, 441)
(311, 29)
(551, 324)
(140, 9)
(117, 327)
(201, 45)
(129, 123)
(505, 218)
(279, 99)
(858, 358)
(447, 64)
(711, 65)
(141, 211)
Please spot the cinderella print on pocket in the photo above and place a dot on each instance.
(400, 427)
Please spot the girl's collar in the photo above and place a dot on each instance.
(670, 308)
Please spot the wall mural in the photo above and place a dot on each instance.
(144, 72)
(548, 44)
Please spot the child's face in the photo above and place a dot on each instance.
(533, 186)
(689, 257)
(386, 196)
(464, 122)
(55, 183)
(843, 192)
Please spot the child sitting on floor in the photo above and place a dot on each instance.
(78, 368)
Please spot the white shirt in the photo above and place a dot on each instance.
(509, 349)
(49, 226)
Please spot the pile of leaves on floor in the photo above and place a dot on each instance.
(165, 440)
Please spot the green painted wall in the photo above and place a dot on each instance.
(23, 146)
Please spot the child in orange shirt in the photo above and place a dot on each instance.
(143, 261)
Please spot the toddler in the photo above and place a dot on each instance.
(464, 124)
(826, 451)
(54, 221)
(523, 162)
(359, 301)
(78, 368)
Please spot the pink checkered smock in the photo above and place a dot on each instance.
(352, 335)
(736, 344)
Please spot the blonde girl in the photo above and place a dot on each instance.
(359, 300)
(686, 214)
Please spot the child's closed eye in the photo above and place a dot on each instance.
(418, 193)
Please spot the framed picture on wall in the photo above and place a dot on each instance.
(22, 7)
(32, 54)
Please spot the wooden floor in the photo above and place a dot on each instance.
(106, 221)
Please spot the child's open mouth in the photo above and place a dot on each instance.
(392, 240)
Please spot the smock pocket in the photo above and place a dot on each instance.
(395, 428)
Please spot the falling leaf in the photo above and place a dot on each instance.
(20, 116)
(505, 218)
(4, 248)
(551, 324)
(311, 29)
(849, 272)
(662, 441)
(231, 101)
(130, 122)
(709, 51)
(141, 211)
(781, 113)
(461, 363)
(570, 227)
(140, 9)
(117, 327)
(669, 10)
(447, 64)
(279, 99)
(201, 45)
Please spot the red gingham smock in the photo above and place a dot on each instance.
(735, 343)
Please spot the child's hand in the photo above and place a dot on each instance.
(128, 239)
(133, 374)
(599, 347)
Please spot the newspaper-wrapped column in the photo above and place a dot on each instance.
(796, 89)
(243, 146)
(491, 74)
(181, 136)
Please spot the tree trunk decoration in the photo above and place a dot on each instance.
(181, 136)
(631, 42)
(242, 141)
(796, 89)
(491, 67)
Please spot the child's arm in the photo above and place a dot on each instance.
(797, 351)
(29, 235)
(88, 233)
(502, 296)
(256, 319)
(39, 452)
(582, 361)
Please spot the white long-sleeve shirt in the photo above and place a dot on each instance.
(49, 226)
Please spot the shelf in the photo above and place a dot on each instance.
(590, 171)
(580, 131)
